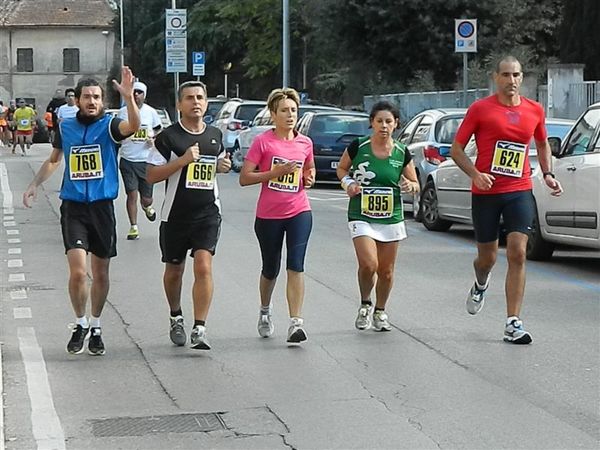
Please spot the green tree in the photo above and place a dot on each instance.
(578, 41)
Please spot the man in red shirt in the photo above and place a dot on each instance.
(503, 125)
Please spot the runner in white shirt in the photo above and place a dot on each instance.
(69, 109)
(134, 152)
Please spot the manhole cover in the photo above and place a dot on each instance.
(140, 426)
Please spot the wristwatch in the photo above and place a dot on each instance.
(548, 173)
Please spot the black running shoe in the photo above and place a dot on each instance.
(96, 346)
(75, 345)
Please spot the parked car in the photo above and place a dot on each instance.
(428, 136)
(165, 119)
(215, 104)
(235, 116)
(331, 132)
(446, 198)
(262, 122)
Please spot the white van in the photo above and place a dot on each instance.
(572, 218)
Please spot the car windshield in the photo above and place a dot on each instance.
(445, 129)
(214, 108)
(558, 130)
(247, 112)
(336, 126)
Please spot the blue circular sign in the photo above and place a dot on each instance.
(466, 29)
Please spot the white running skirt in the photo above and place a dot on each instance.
(378, 231)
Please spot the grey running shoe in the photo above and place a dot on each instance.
(198, 338)
(476, 297)
(296, 333)
(76, 343)
(363, 319)
(95, 345)
(381, 322)
(265, 325)
(514, 332)
(177, 332)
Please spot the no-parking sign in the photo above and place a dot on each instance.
(465, 35)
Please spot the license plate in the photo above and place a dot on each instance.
(334, 164)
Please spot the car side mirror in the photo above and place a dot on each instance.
(554, 145)
(246, 123)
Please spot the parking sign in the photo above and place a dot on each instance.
(198, 65)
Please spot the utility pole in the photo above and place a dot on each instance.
(286, 43)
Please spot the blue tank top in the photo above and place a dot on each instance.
(91, 169)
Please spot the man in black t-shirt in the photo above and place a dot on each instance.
(188, 155)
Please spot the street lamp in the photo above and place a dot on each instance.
(226, 69)
(105, 34)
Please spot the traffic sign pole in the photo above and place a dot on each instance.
(465, 41)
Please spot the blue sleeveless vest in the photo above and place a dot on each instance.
(77, 139)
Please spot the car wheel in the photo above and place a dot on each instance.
(537, 248)
(237, 159)
(429, 210)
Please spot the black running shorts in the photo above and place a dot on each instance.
(176, 238)
(90, 226)
(516, 209)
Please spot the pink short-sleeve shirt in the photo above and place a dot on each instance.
(283, 197)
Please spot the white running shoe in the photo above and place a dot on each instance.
(380, 321)
(265, 324)
(363, 319)
(296, 333)
(198, 338)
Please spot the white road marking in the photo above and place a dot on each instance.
(10, 223)
(46, 426)
(14, 277)
(15, 263)
(9, 217)
(14, 251)
(18, 294)
(12, 232)
(14, 240)
(7, 196)
(22, 313)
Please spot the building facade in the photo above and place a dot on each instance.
(47, 45)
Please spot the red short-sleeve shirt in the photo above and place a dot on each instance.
(503, 134)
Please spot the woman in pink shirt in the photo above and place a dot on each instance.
(281, 160)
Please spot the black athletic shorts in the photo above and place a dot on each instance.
(516, 208)
(134, 177)
(176, 238)
(90, 226)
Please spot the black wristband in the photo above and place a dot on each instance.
(548, 173)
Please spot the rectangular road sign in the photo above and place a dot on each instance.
(176, 40)
(198, 65)
(465, 35)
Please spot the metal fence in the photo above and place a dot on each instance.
(412, 103)
(580, 96)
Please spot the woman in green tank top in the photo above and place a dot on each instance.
(381, 168)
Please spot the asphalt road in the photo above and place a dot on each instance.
(439, 379)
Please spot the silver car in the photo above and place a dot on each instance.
(262, 122)
(446, 198)
(428, 137)
(235, 116)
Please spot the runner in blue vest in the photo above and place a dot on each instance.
(90, 184)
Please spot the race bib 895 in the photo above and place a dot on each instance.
(377, 202)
